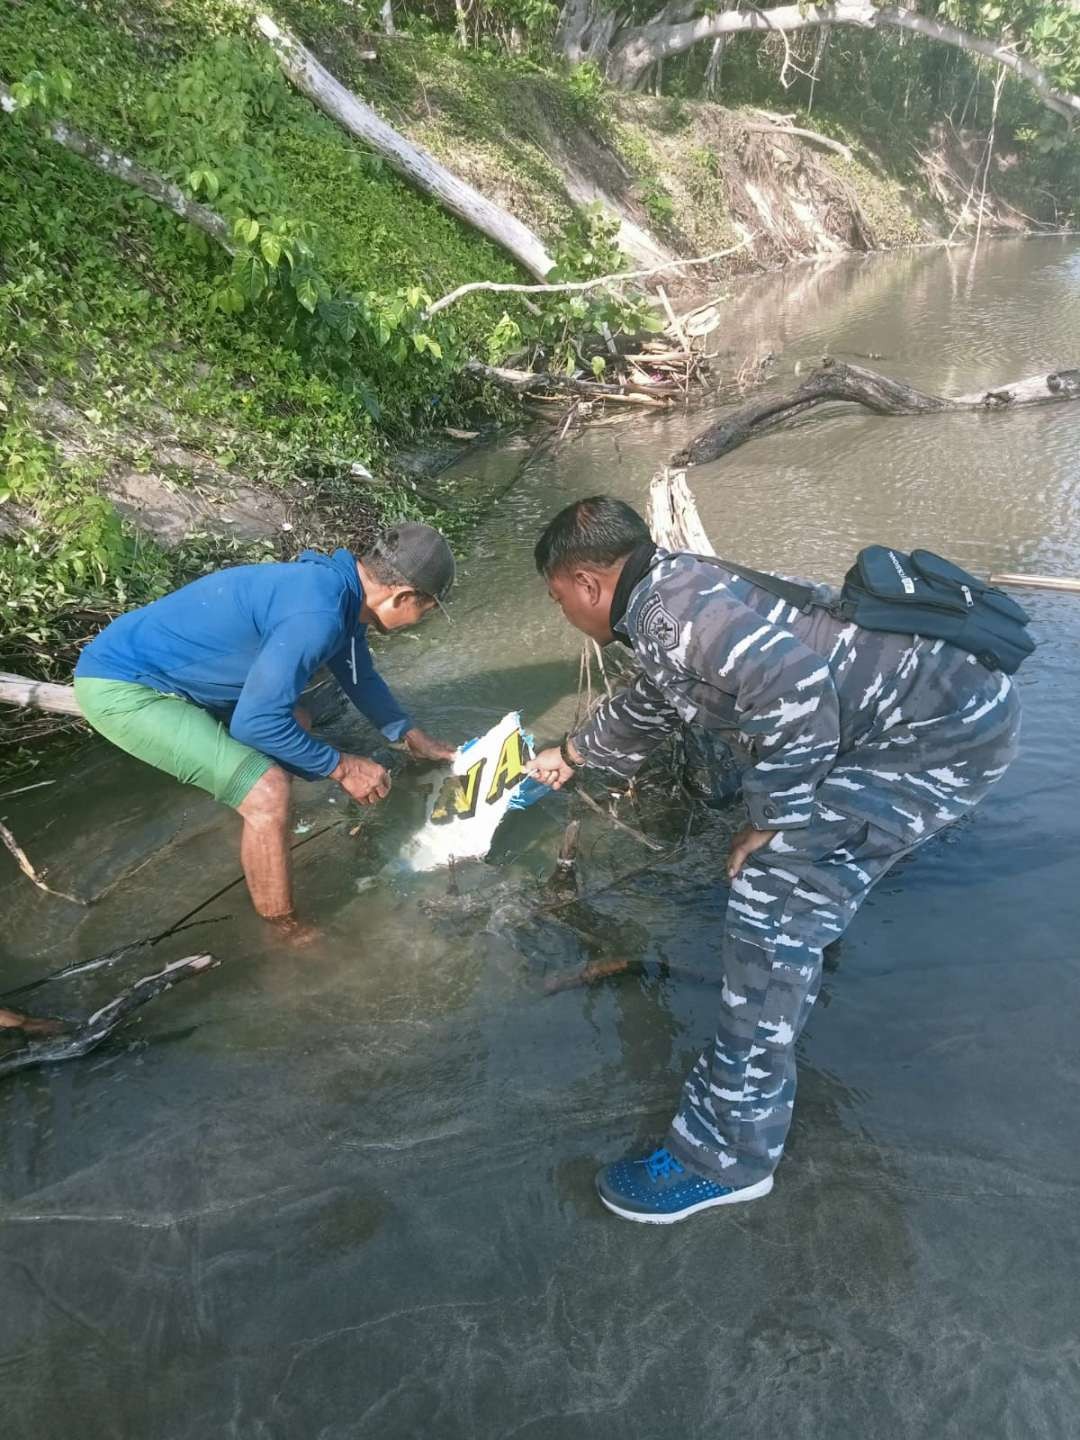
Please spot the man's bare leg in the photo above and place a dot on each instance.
(264, 846)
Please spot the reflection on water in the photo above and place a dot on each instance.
(348, 1192)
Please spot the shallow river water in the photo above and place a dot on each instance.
(348, 1192)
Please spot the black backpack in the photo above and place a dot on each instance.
(919, 594)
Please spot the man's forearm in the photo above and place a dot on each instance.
(626, 729)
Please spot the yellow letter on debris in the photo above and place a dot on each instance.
(510, 767)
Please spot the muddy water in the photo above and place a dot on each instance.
(348, 1193)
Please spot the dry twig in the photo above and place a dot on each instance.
(619, 278)
(35, 876)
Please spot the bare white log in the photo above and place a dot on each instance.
(411, 162)
(1060, 385)
(120, 167)
(641, 46)
(1038, 582)
(672, 517)
(610, 281)
(38, 695)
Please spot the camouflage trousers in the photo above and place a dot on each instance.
(799, 893)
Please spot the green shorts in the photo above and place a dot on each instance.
(173, 735)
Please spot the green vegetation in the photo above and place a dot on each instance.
(124, 332)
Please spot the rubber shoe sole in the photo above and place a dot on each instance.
(734, 1197)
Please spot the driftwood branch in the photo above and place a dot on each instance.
(529, 381)
(612, 281)
(878, 393)
(120, 167)
(411, 162)
(33, 875)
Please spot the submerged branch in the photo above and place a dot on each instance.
(587, 800)
(88, 1034)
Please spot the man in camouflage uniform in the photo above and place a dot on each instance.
(863, 745)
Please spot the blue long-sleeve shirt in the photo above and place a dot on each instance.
(244, 642)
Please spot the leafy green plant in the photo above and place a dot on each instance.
(567, 330)
(658, 203)
(589, 90)
(42, 92)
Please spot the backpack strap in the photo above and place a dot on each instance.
(800, 596)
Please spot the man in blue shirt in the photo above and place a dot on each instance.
(204, 683)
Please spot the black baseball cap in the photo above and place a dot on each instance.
(421, 556)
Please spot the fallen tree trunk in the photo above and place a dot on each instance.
(417, 166)
(879, 393)
(38, 695)
(120, 167)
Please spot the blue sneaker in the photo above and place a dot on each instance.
(658, 1189)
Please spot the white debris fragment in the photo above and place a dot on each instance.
(487, 779)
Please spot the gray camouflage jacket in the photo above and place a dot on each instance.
(794, 689)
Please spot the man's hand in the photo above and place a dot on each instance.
(365, 781)
(743, 845)
(550, 768)
(423, 747)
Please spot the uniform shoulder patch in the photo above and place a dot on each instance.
(657, 624)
